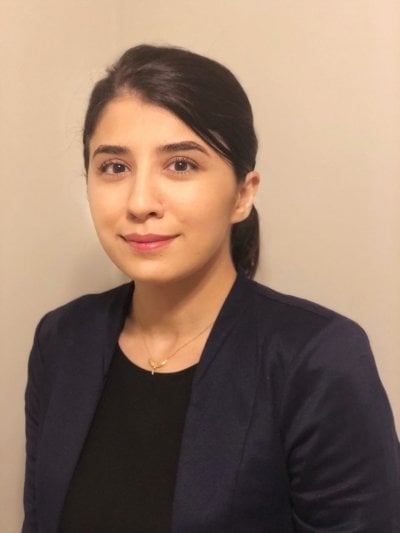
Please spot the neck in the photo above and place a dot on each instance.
(176, 308)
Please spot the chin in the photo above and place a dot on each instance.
(150, 273)
(167, 269)
(159, 275)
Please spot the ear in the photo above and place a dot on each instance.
(247, 190)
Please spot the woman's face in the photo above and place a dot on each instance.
(162, 200)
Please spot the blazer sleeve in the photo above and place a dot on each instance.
(32, 430)
(339, 436)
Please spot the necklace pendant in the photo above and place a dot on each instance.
(156, 364)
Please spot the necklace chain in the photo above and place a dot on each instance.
(154, 364)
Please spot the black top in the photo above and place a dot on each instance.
(125, 477)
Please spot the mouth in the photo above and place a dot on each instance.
(148, 242)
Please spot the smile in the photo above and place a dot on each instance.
(148, 242)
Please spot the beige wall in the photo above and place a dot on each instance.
(324, 78)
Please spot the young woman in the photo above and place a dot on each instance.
(193, 399)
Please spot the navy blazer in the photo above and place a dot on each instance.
(288, 426)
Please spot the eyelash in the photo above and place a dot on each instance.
(104, 167)
(189, 162)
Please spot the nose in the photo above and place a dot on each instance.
(144, 199)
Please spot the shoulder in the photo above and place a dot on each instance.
(297, 321)
(309, 349)
(288, 305)
(90, 303)
(87, 310)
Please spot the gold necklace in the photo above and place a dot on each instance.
(154, 365)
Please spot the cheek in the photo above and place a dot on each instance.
(102, 215)
(207, 218)
(218, 209)
(104, 204)
(209, 204)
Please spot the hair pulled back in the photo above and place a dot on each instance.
(208, 98)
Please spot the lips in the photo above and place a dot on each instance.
(148, 242)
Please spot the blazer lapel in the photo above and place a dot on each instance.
(84, 361)
(217, 418)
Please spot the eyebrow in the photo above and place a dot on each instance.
(115, 149)
(182, 146)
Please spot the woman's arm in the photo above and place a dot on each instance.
(341, 445)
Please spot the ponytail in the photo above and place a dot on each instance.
(245, 244)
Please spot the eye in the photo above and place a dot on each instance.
(181, 165)
(113, 167)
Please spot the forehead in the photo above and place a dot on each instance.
(128, 119)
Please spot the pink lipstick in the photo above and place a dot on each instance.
(148, 242)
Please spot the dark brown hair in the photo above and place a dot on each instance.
(208, 98)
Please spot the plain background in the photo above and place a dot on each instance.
(324, 80)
